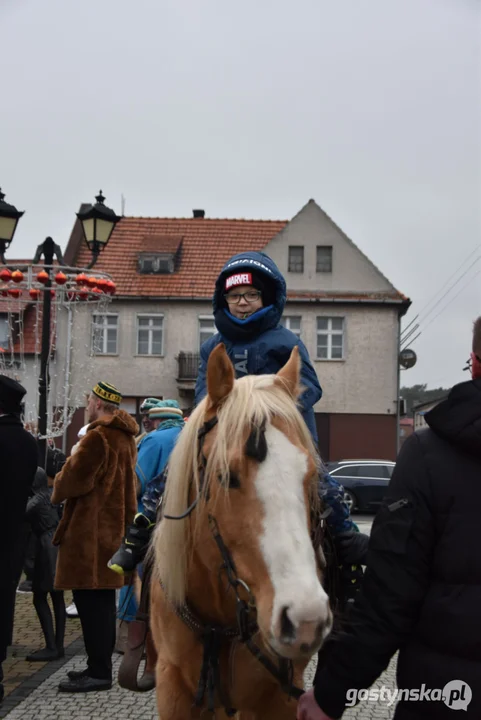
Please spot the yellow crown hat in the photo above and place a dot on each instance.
(107, 392)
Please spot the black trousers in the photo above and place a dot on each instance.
(96, 609)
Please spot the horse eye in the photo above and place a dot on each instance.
(234, 481)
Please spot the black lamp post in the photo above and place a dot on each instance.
(98, 222)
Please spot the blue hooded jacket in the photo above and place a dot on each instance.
(258, 345)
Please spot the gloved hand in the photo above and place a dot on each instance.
(352, 548)
(308, 709)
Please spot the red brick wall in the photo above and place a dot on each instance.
(357, 436)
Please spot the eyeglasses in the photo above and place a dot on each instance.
(250, 296)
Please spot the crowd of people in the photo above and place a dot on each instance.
(84, 523)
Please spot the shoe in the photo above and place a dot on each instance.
(134, 546)
(146, 682)
(72, 611)
(84, 684)
(77, 674)
(25, 587)
(45, 655)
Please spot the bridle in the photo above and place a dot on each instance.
(213, 636)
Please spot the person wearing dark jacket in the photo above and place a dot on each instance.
(421, 593)
(248, 302)
(44, 519)
(249, 299)
(19, 452)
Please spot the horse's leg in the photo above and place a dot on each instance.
(173, 699)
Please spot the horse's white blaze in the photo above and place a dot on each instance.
(285, 541)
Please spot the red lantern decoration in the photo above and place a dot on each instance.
(34, 293)
(70, 295)
(14, 292)
(52, 293)
(42, 277)
(102, 283)
(5, 275)
(111, 287)
(17, 276)
(83, 295)
(98, 291)
(81, 279)
(60, 278)
(92, 282)
(4, 293)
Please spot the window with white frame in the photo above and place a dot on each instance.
(292, 323)
(150, 334)
(207, 328)
(104, 334)
(330, 338)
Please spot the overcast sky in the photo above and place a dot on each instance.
(248, 109)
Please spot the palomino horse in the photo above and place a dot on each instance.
(236, 577)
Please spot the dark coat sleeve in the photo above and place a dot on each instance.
(395, 584)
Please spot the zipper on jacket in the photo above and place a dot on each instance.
(398, 504)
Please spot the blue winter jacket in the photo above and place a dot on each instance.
(154, 452)
(269, 347)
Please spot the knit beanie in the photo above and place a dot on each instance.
(148, 404)
(166, 410)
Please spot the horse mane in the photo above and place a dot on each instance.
(254, 401)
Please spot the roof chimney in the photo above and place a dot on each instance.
(199, 213)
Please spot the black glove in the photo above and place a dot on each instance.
(351, 548)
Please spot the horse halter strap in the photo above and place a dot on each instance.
(204, 430)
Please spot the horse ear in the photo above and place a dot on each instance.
(290, 374)
(220, 375)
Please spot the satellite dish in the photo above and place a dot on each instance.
(407, 358)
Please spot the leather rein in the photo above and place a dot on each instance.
(213, 637)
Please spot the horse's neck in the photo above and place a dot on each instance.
(207, 595)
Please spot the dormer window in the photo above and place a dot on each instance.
(159, 255)
(156, 263)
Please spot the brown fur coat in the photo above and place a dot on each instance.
(99, 487)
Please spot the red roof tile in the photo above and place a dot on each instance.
(206, 245)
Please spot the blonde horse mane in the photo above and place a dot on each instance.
(253, 401)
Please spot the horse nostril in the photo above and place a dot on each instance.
(288, 631)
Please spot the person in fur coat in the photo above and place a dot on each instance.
(98, 487)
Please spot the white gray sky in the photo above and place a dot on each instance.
(372, 107)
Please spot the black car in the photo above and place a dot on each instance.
(364, 481)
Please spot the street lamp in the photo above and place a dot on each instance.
(98, 222)
(9, 217)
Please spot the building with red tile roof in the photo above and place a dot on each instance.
(147, 344)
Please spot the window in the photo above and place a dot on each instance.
(296, 258)
(150, 331)
(347, 471)
(324, 258)
(207, 328)
(330, 338)
(4, 332)
(104, 334)
(292, 323)
(375, 471)
(156, 263)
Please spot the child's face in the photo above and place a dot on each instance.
(244, 301)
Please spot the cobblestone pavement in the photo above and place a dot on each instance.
(31, 688)
(27, 637)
